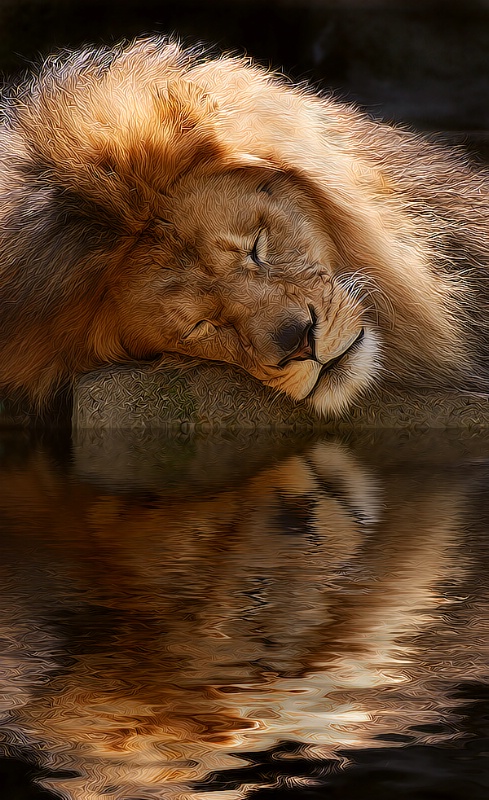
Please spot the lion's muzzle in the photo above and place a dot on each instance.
(296, 338)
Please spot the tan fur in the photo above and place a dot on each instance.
(135, 184)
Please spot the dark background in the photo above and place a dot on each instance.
(425, 63)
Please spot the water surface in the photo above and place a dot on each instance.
(190, 618)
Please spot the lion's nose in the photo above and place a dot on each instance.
(295, 339)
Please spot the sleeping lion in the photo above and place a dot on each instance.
(155, 201)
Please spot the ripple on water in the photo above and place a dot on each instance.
(192, 616)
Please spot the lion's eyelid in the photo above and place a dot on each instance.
(202, 329)
(259, 250)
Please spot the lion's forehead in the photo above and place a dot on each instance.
(228, 199)
(220, 224)
(213, 213)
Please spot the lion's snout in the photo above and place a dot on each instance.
(295, 339)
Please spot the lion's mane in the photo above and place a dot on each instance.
(93, 139)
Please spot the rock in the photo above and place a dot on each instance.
(211, 397)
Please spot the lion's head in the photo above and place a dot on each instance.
(238, 268)
(156, 203)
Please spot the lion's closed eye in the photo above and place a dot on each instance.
(201, 330)
(260, 248)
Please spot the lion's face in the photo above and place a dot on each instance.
(238, 267)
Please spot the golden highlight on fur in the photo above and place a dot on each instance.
(156, 201)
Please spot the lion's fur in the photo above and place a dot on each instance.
(100, 147)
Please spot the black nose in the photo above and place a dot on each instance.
(295, 340)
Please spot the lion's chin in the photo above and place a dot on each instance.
(339, 387)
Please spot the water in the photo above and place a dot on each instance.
(200, 618)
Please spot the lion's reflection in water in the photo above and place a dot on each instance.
(154, 631)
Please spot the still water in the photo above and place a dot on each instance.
(214, 618)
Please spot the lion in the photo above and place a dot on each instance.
(156, 201)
